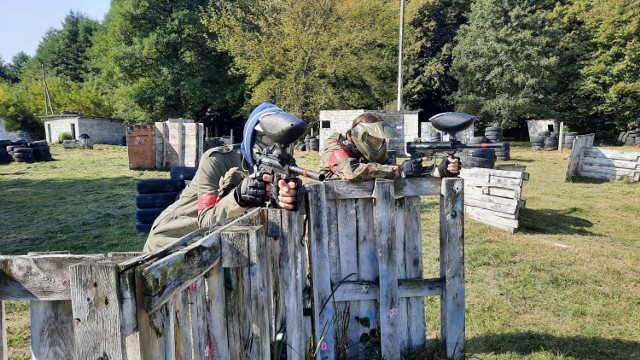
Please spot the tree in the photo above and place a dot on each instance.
(307, 56)
(16, 113)
(156, 61)
(504, 62)
(431, 32)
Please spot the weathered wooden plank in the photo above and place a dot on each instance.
(184, 343)
(488, 198)
(482, 212)
(333, 242)
(368, 272)
(4, 352)
(38, 277)
(96, 312)
(609, 163)
(633, 156)
(239, 314)
(293, 224)
(127, 288)
(234, 244)
(452, 266)
(416, 322)
(475, 191)
(155, 329)
(482, 172)
(486, 217)
(342, 189)
(259, 264)
(503, 185)
(580, 142)
(52, 330)
(584, 168)
(323, 311)
(368, 290)
(198, 298)
(401, 254)
(217, 315)
(598, 175)
(384, 224)
(347, 251)
(487, 204)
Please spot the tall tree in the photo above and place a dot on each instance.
(504, 62)
(311, 55)
(156, 59)
(430, 41)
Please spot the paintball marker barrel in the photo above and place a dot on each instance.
(292, 169)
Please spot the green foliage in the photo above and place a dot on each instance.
(503, 63)
(65, 135)
(306, 56)
(17, 115)
(156, 62)
(431, 30)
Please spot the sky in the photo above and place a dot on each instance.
(23, 23)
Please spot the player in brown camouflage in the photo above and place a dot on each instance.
(222, 187)
(361, 154)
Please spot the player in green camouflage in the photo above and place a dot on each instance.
(361, 154)
(223, 186)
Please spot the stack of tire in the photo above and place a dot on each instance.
(23, 151)
(314, 144)
(630, 138)
(494, 134)
(5, 158)
(568, 139)
(482, 158)
(155, 195)
(41, 151)
(546, 140)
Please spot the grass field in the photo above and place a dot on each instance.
(566, 286)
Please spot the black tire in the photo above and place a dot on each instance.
(623, 140)
(621, 135)
(493, 128)
(39, 143)
(183, 173)
(480, 153)
(159, 200)
(469, 162)
(22, 150)
(148, 216)
(153, 186)
(572, 133)
(23, 157)
(478, 140)
(536, 148)
(42, 155)
(143, 228)
(84, 137)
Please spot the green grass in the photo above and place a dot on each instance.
(566, 286)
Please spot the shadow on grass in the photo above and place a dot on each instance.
(553, 221)
(576, 347)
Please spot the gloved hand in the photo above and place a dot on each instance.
(411, 168)
(449, 167)
(287, 194)
(251, 191)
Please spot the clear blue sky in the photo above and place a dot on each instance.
(23, 23)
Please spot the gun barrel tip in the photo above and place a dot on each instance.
(321, 177)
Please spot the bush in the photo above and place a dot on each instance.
(64, 136)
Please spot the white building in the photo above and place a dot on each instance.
(3, 131)
(101, 130)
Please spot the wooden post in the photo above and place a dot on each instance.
(3, 333)
(259, 263)
(452, 266)
(561, 136)
(217, 312)
(293, 272)
(52, 330)
(384, 224)
(156, 329)
(96, 312)
(323, 310)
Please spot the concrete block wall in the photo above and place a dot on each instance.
(537, 126)
(102, 131)
(3, 131)
(53, 128)
(406, 123)
(426, 130)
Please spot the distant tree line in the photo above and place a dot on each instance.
(505, 61)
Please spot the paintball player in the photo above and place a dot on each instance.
(224, 186)
(361, 154)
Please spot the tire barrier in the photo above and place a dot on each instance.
(155, 195)
(494, 135)
(23, 151)
(481, 158)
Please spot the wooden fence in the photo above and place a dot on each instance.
(587, 161)
(243, 290)
(494, 196)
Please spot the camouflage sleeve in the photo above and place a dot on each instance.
(351, 169)
(213, 206)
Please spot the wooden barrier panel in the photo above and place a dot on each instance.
(581, 141)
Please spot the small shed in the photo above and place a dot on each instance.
(406, 123)
(538, 126)
(101, 130)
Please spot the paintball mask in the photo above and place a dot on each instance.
(371, 139)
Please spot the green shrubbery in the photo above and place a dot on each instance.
(65, 135)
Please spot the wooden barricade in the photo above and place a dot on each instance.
(239, 290)
(493, 196)
(604, 163)
(366, 267)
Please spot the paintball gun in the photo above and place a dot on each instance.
(276, 159)
(451, 123)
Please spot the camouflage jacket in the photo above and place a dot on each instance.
(339, 161)
(205, 201)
